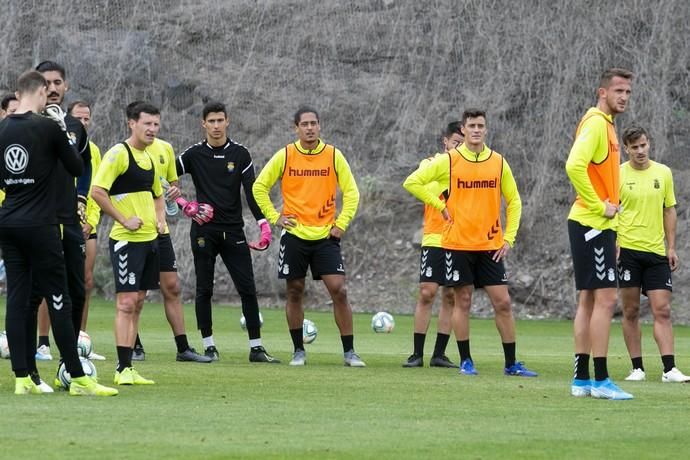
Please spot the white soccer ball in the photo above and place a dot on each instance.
(64, 377)
(243, 322)
(383, 322)
(4, 346)
(309, 331)
(84, 344)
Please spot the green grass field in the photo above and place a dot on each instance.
(231, 409)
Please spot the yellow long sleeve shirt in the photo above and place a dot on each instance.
(438, 170)
(273, 171)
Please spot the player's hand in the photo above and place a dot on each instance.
(336, 232)
(673, 260)
(160, 226)
(189, 208)
(265, 239)
(172, 193)
(287, 222)
(501, 253)
(86, 230)
(446, 215)
(55, 113)
(133, 224)
(610, 210)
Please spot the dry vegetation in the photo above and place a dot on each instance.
(386, 75)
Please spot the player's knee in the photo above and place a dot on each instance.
(171, 290)
(426, 295)
(126, 305)
(503, 306)
(631, 312)
(294, 294)
(662, 313)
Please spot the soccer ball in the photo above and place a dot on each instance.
(243, 322)
(309, 331)
(4, 346)
(84, 344)
(65, 379)
(382, 322)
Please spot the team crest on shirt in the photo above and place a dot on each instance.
(161, 158)
(656, 183)
(201, 242)
(230, 166)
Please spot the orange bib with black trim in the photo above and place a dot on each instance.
(434, 223)
(604, 176)
(474, 204)
(309, 185)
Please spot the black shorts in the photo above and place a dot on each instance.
(168, 261)
(296, 255)
(594, 256)
(431, 265)
(473, 267)
(136, 265)
(645, 270)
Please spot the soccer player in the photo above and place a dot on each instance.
(163, 156)
(8, 105)
(219, 167)
(310, 172)
(71, 206)
(647, 217)
(32, 147)
(127, 188)
(431, 270)
(593, 168)
(81, 110)
(477, 178)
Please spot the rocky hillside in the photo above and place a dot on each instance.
(386, 76)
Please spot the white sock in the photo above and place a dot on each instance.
(208, 341)
(255, 342)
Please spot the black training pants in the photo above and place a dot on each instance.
(35, 254)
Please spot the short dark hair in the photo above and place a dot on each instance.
(452, 128)
(47, 66)
(136, 108)
(76, 104)
(6, 99)
(633, 133)
(213, 106)
(30, 81)
(609, 74)
(472, 113)
(301, 111)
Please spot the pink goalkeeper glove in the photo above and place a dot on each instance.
(205, 214)
(189, 208)
(265, 240)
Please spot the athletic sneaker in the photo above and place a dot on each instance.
(414, 361)
(96, 357)
(352, 359)
(636, 375)
(467, 368)
(581, 388)
(26, 386)
(43, 353)
(260, 355)
(519, 370)
(606, 389)
(674, 376)
(299, 358)
(130, 376)
(441, 361)
(191, 355)
(138, 354)
(86, 386)
(45, 388)
(212, 353)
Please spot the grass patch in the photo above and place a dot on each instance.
(233, 409)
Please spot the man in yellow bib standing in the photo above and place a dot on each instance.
(478, 179)
(431, 270)
(647, 217)
(128, 189)
(310, 172)
(593, 168)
